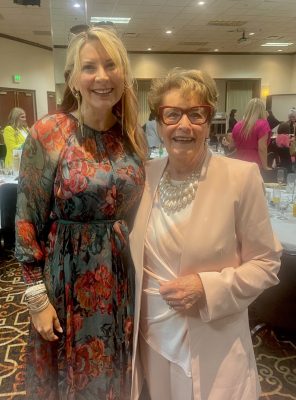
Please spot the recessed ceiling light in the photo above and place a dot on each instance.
(280, 50)
(168, 32)
(149, 49)
(251, 33)
(76, 5)
(201, 3)
(273, 44)
(216, 50)
(115, 20)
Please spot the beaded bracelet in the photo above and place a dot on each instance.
(34, 283)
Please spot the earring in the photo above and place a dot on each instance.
(80, 116)
(76, 93)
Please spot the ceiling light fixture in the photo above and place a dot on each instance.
(115, 20)
(149, 49)
(272, 44)
(201, 3)
(216, 50)
(168, 32)
(76, 5)
(251, 33)
(280, 50)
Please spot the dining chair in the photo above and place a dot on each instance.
(8, 195)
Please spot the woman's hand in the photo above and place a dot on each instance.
(182, 293)
(45, 322)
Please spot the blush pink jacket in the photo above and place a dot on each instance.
(231, 245)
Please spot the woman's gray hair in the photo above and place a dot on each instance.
(187, 81)
(292, 113)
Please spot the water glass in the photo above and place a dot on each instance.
(280, 176)
(291, 182)
(2, 167)
(276, 197)
(283, 206)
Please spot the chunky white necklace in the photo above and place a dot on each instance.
(174, 197)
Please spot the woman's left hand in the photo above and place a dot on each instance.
(183, 292)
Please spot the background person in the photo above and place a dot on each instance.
(150, 129)
(272, 120)
(80, 182)
(292, 122)
(202, 254)
(232, 120)
(15, 133)
(251, 135)
(283, 143)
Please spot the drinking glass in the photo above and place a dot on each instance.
(276, 197)
(2, 167)
(291, 182)
(283, 206)
(280, 176)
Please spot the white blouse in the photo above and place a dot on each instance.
(164, 329)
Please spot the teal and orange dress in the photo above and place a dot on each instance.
(74, 185)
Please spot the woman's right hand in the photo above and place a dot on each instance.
(45, 322)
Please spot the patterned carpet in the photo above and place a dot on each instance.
(276, 359)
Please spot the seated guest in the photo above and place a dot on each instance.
(283, 141)
(232, 121)
(203, 250)
(151, 132)
(15, 133)
(272, 120)
(292, 122)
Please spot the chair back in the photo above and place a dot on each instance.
(2, 147)
(8, 195)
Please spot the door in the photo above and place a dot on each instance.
(10, 98)
(51, 102)
(26, 100)
(7, 102)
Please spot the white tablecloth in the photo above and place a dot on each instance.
(285, 229)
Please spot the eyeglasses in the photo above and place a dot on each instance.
(197, 115)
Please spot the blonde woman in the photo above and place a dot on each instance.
(81, 179)
(251, 135)
(14, 133)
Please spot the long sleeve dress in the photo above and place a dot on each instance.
(13, 139)
(74, 186)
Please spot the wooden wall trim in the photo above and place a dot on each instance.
(16, 39)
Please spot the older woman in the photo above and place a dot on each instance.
(203, 249)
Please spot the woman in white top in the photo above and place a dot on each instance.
(15, 133)
(203, 250)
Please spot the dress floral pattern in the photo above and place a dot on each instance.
(76, 187)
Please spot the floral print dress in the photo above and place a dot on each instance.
(75, 188)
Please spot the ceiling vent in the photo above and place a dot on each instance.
(192, 43)
(42, 33)
(274, 37)
(226, 23)
(130, 35)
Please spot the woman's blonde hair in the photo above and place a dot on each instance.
(14, 117)
(126, 110)
(255, 110)
(188, 82)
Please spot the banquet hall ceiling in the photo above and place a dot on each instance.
(223, 26)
